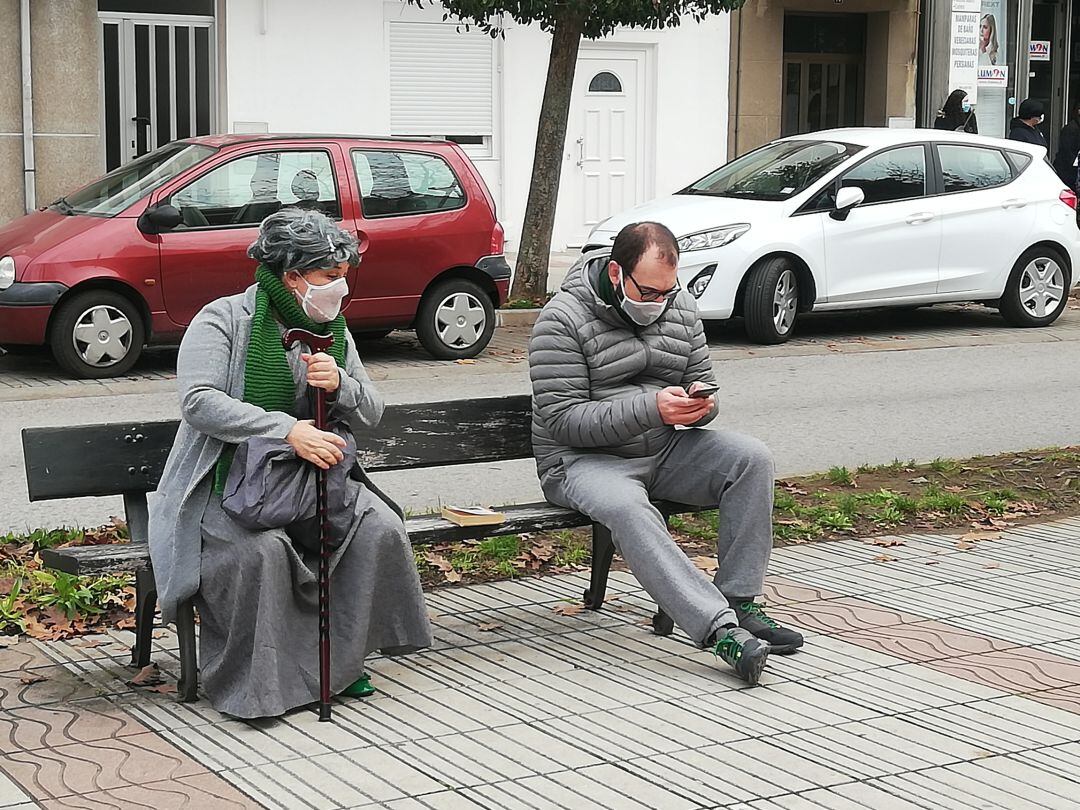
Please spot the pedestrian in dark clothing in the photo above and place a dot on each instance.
(1025, 126)
(957, 115)
(1069, 149)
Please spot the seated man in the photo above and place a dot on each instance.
(613, 359)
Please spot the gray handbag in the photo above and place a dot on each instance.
(270, 487)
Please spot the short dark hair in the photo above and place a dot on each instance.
(635, 240)
(1030, 108)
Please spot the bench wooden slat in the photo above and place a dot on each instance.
(111, 459)
(423, 529)
(113, 558)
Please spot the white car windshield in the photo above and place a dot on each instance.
(777, 171)
(121, 187)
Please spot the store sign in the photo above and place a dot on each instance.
(1039, 50)
(970, 6)
(964, 53)
(993, 76)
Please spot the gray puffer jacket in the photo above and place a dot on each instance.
(595, 377)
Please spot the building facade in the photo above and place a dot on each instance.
(103, 81)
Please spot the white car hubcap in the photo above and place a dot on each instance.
(102, 336)
(1042, 286)
(785, 302)
(460, 320)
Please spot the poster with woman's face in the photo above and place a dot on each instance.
(992, 28)
(990, 111)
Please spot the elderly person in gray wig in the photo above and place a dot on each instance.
(255, 592)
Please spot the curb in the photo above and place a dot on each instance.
(516, 317)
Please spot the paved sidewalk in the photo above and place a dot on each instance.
(938, 678)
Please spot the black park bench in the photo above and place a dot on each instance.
(127, 459)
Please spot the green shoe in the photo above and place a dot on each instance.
(743, 653)
(361, 689)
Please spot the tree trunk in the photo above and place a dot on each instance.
(530, 277)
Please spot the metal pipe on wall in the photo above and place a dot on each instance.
(29, 184)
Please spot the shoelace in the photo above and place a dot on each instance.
(729, 648)
(758, 611)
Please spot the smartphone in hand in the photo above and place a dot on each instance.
(704, 391)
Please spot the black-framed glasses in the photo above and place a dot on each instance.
(651, 294)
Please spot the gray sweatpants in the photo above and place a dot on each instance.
(699, 467)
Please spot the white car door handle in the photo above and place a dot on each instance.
(1014, 203)
(919, 219)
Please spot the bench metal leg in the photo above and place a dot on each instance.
(188, 687)
(603, 549)
(145, 604)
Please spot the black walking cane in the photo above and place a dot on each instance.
(320, 343)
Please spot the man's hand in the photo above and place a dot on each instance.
(322, 371)
(317, 446)
(679, 408)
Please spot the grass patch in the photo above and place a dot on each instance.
(840, 476)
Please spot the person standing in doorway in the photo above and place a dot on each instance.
(957, 114)
(1068, 149)
(1025, 127)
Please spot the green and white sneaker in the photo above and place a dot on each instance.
(743, 652)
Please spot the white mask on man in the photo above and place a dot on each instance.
(322, 302)
(642, 313)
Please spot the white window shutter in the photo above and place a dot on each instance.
(441, 80)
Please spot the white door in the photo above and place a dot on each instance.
(985, 217)
(159, 82)
(887, 247)
(603, 162)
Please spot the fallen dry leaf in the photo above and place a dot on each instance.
(452, 576)
(29, 680)
(568, 608)
(126, 624)
(974, 537)
(164, 689)
(706, 564)
(160, 633)
(91, 643)
(149, 675)
(964, 545)
(992, 565)
(886, 542)
(931, 562)
(488, 627)
(922, 479)
(465, 362)
(885, 558)
(953, 489)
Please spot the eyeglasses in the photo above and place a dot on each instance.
(652, 295)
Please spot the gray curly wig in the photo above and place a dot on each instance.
(302, 240)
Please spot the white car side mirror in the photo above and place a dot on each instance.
(846, 199)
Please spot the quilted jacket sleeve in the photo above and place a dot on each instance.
(562, 396)
(699, 368)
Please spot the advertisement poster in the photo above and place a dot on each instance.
(964, 54)
(993, 77)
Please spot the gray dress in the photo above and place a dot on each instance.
(256, 596)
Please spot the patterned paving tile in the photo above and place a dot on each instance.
(917, 689)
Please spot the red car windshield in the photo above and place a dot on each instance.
(120, 188)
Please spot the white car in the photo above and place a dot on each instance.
(857, 218)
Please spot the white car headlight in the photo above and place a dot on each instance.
(718, 237)
(7, 272)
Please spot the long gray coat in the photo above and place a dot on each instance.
(210, 381)
(595, 377)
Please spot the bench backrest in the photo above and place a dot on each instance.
(127, 458)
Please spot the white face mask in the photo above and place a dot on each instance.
(642, 313)
(322, 302)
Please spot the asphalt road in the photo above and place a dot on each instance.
(814, 411)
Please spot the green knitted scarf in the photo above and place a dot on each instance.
(268, 378)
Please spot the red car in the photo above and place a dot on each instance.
(129, 259)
